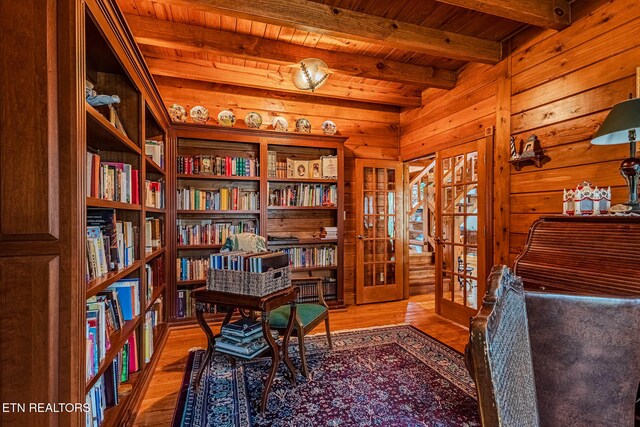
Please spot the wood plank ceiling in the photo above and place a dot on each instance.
(380, 51)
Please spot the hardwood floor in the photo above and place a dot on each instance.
(160, 399)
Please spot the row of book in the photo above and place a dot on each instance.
(308, 289)
(186, 306)
(312, 256)
(208, 232)
(154, 194)
(105, 392)
(107, 313)
(153, 233)
(153, 318)
(254, 262)
(111, 244)
(155, 150)
(219, 166)
(329, 233)
(155, 276)
(303, 195)
(242, 338)
(115, 181)
(191, 268)
(224, 199)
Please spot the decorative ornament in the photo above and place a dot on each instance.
(253, 120)
(514, 152)
(280, 124)
(178, 113)
(226, 118)
(303, 126)
(312, 74)
(586, 200)
(329, 128)
(199, 114)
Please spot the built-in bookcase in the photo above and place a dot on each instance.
(213, 164)
(126, 266)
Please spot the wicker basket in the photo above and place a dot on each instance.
(247, 283)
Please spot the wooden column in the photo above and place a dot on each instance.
(501, 165)
(41, 251)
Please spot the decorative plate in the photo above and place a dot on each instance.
(178, 113)
(199, 114)
(253, 120)
(226, 118)
(329, 128)
(303, 126)
(280, 124)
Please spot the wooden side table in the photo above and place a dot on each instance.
(263, 304)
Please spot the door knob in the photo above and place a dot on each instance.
(360, 236)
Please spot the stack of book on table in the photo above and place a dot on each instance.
(242, 338)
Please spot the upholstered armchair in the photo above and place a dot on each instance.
(554, 359)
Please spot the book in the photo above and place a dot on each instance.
(241, 327)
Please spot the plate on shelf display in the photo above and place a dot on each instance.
(280, 124)
(303, 126)
(178, 113)
(199, 114)
(329, 128)
(226, 118)
(253, 120)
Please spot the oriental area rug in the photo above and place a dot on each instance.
(387, 376)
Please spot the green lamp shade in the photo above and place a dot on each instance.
(623, 117)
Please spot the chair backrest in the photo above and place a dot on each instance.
(586, 358)
(499, 354)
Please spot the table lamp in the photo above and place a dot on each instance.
(621, 127)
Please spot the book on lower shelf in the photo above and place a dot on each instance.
(111, 244)
(154, 193)
(303, 195)
(192, 268)
(155, 270)
(154, 233)
(312, 256)
(186, 307)
(223, 199)
(115, 181)
(217, 166)
(211, 232)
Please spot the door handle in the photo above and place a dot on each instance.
(440, 241)
(360, 236)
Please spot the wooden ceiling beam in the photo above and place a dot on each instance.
(554, 14)
(172, 35)
(323, 19)
(175, 66)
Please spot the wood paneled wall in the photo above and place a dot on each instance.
(562, 84)
(372, 131)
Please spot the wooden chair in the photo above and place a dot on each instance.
(554, 359)
(308, 316)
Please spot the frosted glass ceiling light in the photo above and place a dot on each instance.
(311, 75)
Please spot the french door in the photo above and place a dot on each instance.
(379, 230)
(461, 230)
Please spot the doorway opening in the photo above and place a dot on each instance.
(421, 225)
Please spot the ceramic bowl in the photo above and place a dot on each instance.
(329, 128)
(303, 126)
(226, 118)
(253, 120)
(199, 114)
(178, 113)
(280, 124)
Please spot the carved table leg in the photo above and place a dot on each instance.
(211, 341)
(285, 343)
(275, 359)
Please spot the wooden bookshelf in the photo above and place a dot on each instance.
(303, 222)
(114, 67)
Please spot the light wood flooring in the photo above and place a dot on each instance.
(160, 399)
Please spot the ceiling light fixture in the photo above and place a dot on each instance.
(312, 74)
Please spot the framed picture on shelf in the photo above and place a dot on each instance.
(329, 167)
(301, 168)
(529, 147)
(315, 168)
(114, 118)
(290, 167)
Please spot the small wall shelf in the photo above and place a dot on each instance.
(536, 160)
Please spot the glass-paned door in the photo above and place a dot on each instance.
(379, 225)
(460, 231)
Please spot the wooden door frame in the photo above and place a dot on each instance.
(488, 231)
(400, 223)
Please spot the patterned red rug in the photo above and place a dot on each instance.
(390, 376)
